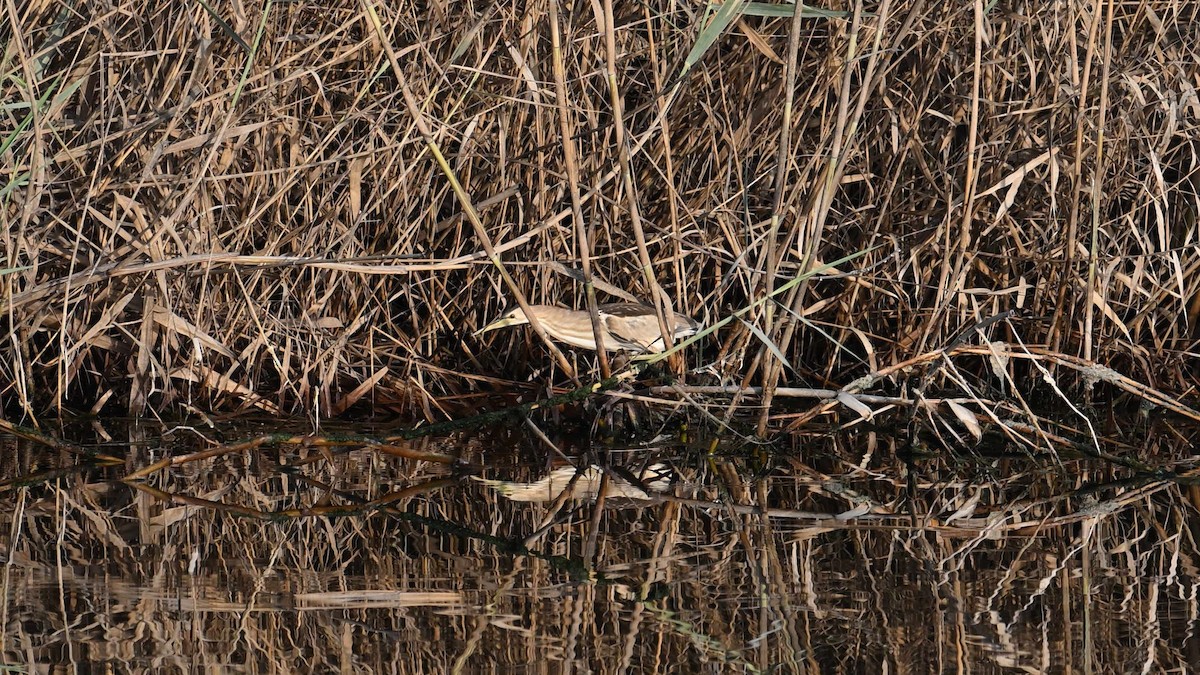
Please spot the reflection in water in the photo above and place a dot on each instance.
(837, 557)
(584, 483)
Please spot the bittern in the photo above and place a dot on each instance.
(627, 326)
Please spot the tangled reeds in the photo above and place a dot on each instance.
(298, 207)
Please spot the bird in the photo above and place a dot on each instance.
(627, 326)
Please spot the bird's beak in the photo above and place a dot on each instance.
(498, 323)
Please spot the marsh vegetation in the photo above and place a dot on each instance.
(940, 413)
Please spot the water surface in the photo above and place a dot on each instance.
(832, 553)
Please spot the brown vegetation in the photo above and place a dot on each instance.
(233, 205)
(295, 558)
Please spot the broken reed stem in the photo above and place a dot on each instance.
(464, 199)
(844, 140)
(1089, 321)
(582, 230)
(783, 162)
(1064, 311)
(662, 306)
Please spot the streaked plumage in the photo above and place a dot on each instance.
(628, 326)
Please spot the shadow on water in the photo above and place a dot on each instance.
(844, 552)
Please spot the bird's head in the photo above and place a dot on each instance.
(515, 317)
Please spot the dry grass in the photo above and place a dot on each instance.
(191, 219)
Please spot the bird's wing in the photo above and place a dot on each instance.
(635, 332)
(627, 324)
(625, 310)
(637, 324)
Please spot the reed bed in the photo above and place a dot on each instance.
(299, 207)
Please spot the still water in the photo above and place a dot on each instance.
(518, 553)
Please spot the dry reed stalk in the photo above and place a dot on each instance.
(245, 208)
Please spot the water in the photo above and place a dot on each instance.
(819, 555)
